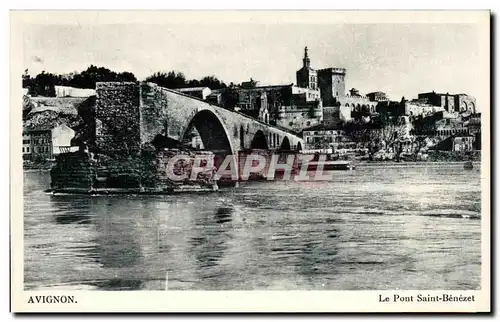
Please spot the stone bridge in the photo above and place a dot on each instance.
(130, 115)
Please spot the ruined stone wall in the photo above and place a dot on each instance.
(180, 168)
(153, 111)
(119, 171)
(73, 170)
(117, 118)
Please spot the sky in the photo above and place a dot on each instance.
(399, 59)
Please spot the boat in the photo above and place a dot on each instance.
(330, 165)
(468, 165)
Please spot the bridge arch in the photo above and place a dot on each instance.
(213, 133)
(299, 146)
(259, 141)
(285, 144)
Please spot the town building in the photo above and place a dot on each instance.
(41, 144)
(329, 139)
(335, 115)
(357, 102)
(67, 91)
(459, 103)
(463, 143)
(457, 143)
(419, 107)
(215, 98)
(377, 97)
(199, 92)
(289, 106)
(323, 138)
(250, 84)
(439, 126)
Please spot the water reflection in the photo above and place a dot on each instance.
(65, 219)
(368, 229)
(210, 241)
(125, 248)
(71, 210)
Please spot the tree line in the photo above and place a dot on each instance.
(44, 83)
(174, 79)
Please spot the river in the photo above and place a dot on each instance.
(375, 228)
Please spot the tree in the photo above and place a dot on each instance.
(42, 85)
(89, 77)
(212, 82)
(391, 135)
(385, 133)
(358, 132)
(229, 98)
(26, 79)
(174, 79)
(424, 130)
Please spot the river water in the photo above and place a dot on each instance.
(374, 228)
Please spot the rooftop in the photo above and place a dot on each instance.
(191, 89)
(442, 94)
(268, 86)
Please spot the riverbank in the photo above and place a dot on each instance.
(362, 163)
(136, 191)
(393, 164)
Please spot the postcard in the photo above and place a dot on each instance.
(250, 161)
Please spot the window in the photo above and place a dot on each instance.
(28, 149)
(23, 149)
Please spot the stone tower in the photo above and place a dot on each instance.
(331, 82)
(306, 76)
(263, 111)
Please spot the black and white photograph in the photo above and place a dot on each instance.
(258, 151)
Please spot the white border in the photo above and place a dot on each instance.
(255, 4)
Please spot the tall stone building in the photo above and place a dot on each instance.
(306, 76)
(331, 82)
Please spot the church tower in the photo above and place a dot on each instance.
(306, 61)
(306, 76)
